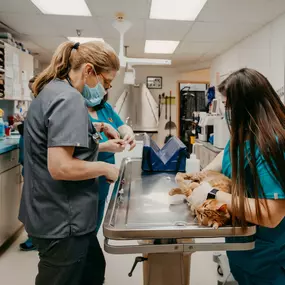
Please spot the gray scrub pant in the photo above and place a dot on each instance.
(70, 261)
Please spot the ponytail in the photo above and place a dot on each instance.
(100, 54)
(58, 68)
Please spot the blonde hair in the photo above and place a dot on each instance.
(67, 57)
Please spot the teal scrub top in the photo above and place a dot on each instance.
(269, 254)
(107, 115)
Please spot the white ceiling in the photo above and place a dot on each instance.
(220, 25)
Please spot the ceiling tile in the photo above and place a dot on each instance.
(48, 43)
(136, 32)
(32, 25)
(67, 26)
(187, 56)
(220, 47)
(134, 47)
(241, 11)
(166, 30)
(16, 6)
(194, 47)
(133, 9)
(152, 56)
(218, 32)
(182, 62)
(207, 57)
(114, 43)
(221, 24)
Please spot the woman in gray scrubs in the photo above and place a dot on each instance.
(60, 193)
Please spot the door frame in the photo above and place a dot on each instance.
(178, 100)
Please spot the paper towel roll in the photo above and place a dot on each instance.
(221, 133)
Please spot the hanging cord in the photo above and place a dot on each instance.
(224, 283)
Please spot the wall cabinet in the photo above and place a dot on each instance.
(10, 196)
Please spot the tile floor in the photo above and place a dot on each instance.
(20, 268)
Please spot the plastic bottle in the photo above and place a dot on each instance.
(193, 163)
(2, 126)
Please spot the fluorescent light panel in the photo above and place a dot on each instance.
(160, 47)
(180, 10)
(63, 7)
(84, 40)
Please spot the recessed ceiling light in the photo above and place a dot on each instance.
(162, 47)
(63, 7)
(183, 10)
(84, 40)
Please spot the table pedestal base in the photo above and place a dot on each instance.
(167, 269)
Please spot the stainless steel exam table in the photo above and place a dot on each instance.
(139, 210)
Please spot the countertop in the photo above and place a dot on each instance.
(9, 144)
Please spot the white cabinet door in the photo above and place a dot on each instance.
(10, 202)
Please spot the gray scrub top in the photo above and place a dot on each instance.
(51, 208)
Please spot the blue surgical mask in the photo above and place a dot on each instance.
(94, 96)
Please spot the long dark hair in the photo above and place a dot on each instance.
(257, 115)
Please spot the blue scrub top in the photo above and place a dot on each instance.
(268, 257)
(107, 115)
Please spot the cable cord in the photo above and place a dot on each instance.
(224, 283)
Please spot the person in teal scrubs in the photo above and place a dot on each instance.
(19, 120)
(104, 113)
(256, 118)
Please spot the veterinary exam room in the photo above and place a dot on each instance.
(142, 142)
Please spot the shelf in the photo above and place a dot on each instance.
(15, 99)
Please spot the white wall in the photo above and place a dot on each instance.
(170, 76)
(169, 79)
(263, 51)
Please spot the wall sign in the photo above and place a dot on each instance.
(154, 82)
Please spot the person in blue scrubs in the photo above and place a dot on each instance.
(104, 113)
(255, 161)
(27, 245)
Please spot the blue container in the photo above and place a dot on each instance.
(171, 158)
(2, 129)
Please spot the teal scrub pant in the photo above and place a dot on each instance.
(244, 278)
(103, 193)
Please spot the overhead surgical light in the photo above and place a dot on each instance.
(122, 26)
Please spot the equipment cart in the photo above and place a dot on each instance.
(167, 234)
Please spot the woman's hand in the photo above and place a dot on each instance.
(200, 194)
(116, 145)
(107, 129)
(110, 132)
(18, 118)
(130, 140)
(112, 173)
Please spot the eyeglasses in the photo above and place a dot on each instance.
(107, 82)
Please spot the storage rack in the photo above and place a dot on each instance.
(191, 100)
